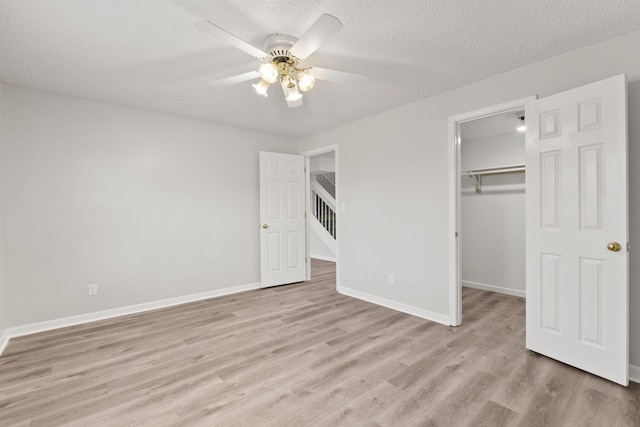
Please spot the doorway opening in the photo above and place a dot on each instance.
(487, 202)
(322, 207)
(492, 203)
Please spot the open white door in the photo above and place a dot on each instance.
(577, 228)
(282, 219)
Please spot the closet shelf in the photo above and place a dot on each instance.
(478, 173)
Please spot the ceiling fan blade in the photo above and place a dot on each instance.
(291, 104)
(322, 30)
(228, 81)
(336, 76)
(222, 34)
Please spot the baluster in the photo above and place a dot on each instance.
(324, 216)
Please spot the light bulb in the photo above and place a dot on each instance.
(305, 81)
(292, 93)
(261, 87)
(521, 127)
(269, 72)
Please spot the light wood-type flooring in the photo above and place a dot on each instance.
(302, 355)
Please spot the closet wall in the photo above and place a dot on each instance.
(492, 231)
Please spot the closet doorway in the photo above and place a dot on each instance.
(577, 282)
(492, 210)
(489, 202)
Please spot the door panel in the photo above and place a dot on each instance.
(576, 193)
(282, 218)
(550, 294)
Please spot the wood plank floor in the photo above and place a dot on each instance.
(302, 355)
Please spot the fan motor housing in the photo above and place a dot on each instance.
(278, 45)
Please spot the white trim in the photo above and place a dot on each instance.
(307, 213)
(321, 150)
(634, 373)
(492, 288)
(455, 295)
(398, 306)
(123, 311)
(4, 340)
(323, 257)
(324, 194)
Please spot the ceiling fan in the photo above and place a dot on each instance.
(283, 59)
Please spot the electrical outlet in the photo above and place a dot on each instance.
(392, 280)
(93, 289)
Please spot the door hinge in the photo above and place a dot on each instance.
(628, 246)
(456, 234)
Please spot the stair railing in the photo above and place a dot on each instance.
(323, 207)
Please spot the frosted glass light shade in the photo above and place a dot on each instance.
(306, 81)
(261, 87)
(269, 72)
(293, 94)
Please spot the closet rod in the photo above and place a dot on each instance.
(477, 174)
(496, 170)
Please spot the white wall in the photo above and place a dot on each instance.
(148, 206)
(410, 143)
(493, 151)
(323, 162)
(492, 222)
(4, 306)
(317, 246)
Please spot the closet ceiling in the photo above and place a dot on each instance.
(487, 127)
(148, 53)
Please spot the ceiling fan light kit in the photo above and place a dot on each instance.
(261, 87)
(281, 58)
(269, 72)
(292, 92)
(306, 81)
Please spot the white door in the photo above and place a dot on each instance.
(577, 228)
(282, 219)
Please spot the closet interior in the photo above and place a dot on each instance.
(492, 203)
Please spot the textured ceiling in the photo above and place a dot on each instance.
(148, 53)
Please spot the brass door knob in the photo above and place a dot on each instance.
(265, 226)
(614, 246)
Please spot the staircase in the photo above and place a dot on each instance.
(323, 223)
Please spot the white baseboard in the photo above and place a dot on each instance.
(405, 308)
(4, 340)
(634, 373)
(324, 258)
(492, 288)
(121, 311)
(7, 334)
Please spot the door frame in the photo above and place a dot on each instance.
(455, 279)
(307, 155)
